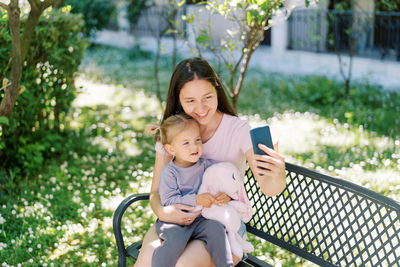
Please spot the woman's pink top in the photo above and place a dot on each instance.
(229, 143)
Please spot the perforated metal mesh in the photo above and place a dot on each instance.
(328, 220)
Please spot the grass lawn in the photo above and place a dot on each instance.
(63, 216)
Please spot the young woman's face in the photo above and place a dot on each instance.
(199, 100)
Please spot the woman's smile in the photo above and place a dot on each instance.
(202, 116)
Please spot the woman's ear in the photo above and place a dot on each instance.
(169, 149)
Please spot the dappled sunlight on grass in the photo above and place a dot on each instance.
(308, 132)
(126, 68)
(383, 181)
(94, 94)
(110, 203)
(116, 112)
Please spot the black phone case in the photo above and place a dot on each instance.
(261, 135)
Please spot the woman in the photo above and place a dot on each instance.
(196, 90)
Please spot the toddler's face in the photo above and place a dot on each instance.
(186, 146)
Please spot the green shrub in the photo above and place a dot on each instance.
(36, 125)
(370, 106)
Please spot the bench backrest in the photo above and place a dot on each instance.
(327, 220)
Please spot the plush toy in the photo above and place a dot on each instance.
(225, 177)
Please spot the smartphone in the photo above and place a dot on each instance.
(261, 135)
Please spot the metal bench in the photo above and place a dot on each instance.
(326, 220)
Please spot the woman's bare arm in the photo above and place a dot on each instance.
(271, 179)
(155, 201)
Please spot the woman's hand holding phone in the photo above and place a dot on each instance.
(261, 140)
(268, 164)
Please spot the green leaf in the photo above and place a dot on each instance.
(4, 120)
(249, 18)
(170, 31)
(181, 3)
(189, 19)
(202, 38)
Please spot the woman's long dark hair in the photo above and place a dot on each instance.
(186, 71)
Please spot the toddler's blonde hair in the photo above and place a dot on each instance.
(171, 126)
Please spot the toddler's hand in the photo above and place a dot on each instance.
(205, 200)
(222, 198)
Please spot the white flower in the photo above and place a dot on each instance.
(2, 220)
(253, 7)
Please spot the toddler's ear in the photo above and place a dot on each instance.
(169, 149)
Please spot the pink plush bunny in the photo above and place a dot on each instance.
(225, 177)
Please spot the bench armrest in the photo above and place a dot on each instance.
(117, 217)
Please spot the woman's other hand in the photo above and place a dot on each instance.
(179, 214)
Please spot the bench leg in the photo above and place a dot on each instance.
(121, 260)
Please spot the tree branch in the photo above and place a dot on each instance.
(29, 29)
(245, 65)
(34, 4)
(5, 7)
(37, 9)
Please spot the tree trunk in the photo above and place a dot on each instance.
(253, 43)
(347, 88)
(156, 78)
(174, 52)
(235, 102)
(11, 94)
(20, 48)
